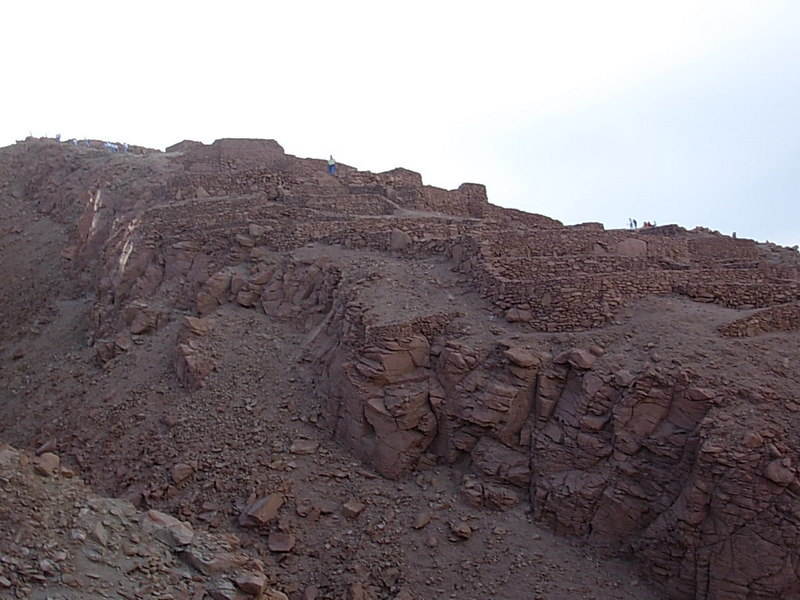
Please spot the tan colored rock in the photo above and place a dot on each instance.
(516, 315)
(358, 591)
(124, 341)
(521, 357)
(262, 511)
(752, 439)
(47, 464)
(623, 378)
(302, 446)
(49, 446)
(255, 230)
(191, 368)
(496, 460)
(218, 285)
(244, 240)
(199, 326)
(211, 563)
(280, 541)
(144, 321)
(631, 247)
(780, 472)
(220, 588)
(251, 583)
(577, 357)
(167, 529)
(399, 240)
(352, 508)
(461, 531)
(205, 303)
(181, 472)
(247, 297)
(100, 534)
(422, 520)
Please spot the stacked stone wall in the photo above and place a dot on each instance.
(577, 299)
(545, 268)
(518, 218)
(722, 247)
(469, 200)
(231, 155)
(785, 317)
(223, 184)
(578, 241)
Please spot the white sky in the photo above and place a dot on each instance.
(681, 111)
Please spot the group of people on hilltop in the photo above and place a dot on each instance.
(632, 224)
(113, 147)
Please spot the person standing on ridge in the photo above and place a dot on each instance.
(331, 166)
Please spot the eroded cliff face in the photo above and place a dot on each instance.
(645, 461)
(578, 372)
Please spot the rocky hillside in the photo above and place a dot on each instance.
(382, 389)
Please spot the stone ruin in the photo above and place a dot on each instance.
(630, 461)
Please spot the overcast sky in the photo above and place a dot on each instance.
(681, 111)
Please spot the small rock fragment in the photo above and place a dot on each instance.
(46, 464)
(461, 531)
(752, 439)
(422, 520)
(167, 529)
(301, 446)
(352, 508)
(251, 583)
(48, 446)
(779, 472)
(100, 534)
(181, 472)
(262, 511)
(281, 541)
